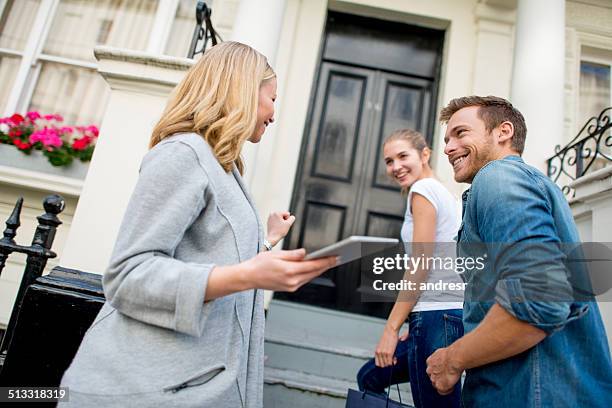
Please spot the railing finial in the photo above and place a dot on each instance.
(203, 13)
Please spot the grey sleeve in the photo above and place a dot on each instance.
(144, 280)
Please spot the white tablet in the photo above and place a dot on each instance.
(351, 248)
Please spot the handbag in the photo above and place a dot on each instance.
(364, 399)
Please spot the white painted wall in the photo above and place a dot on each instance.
(592, 209)
(140, 84)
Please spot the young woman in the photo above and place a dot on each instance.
(430, 226)
(183, 322)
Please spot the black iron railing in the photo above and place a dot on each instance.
(202, 34)
(37, 253)
(590, 150)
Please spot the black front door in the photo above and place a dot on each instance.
(375, 77)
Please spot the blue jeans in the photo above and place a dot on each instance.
(429, 331)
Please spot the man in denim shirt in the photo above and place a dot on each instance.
(529, 341)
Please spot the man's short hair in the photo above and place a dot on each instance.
(493, 111)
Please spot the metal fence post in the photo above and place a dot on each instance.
(7, 243)
(37, 253)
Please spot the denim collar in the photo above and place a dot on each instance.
(512, 157)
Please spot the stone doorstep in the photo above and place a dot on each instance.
(307, 382)
(326, 386)
(318, 384)
(320, 344)
(305, 322)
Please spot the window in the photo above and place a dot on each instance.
(182, 29)
(595, 84)
(16, 22)
(66, 80)
(595, 96)
(46, 47)
(179, 40)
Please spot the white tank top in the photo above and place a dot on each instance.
(447, 224)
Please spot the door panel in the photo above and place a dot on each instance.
(382, 44)
(337, 134)
(325, 202)
(406, 104)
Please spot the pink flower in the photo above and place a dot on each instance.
(16, 119)
(55, 117)
(15, 132)
(21, 145)
(33, 116)
(66, 129)
(48, 137)
(93, 129)
(81, 143)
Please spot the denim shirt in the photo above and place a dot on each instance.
(522, 219)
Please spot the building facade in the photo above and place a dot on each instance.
(349, 73)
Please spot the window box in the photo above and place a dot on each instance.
(36, 161)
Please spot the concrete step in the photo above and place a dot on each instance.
(307, 382)
(303, 322)
(313, 355)
(300, 390)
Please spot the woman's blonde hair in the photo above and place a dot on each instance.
(218, 99)
(416, 139)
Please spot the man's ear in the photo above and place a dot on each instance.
(506, 131)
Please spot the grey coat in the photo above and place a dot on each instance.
(155, 341)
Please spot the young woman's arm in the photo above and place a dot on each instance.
(145, 282)
(424, 233)
(274, 270)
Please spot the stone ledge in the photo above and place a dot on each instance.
(40, 181)
(143, 58)
(592, 185)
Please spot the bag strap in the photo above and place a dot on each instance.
(389, 389)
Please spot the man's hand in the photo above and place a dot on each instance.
(443, 372)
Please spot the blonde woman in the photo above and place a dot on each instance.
(183, 322)
(434, 317)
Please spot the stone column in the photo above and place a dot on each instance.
(494, 46)
(538, 76)
(140, 84)
(258, 23)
